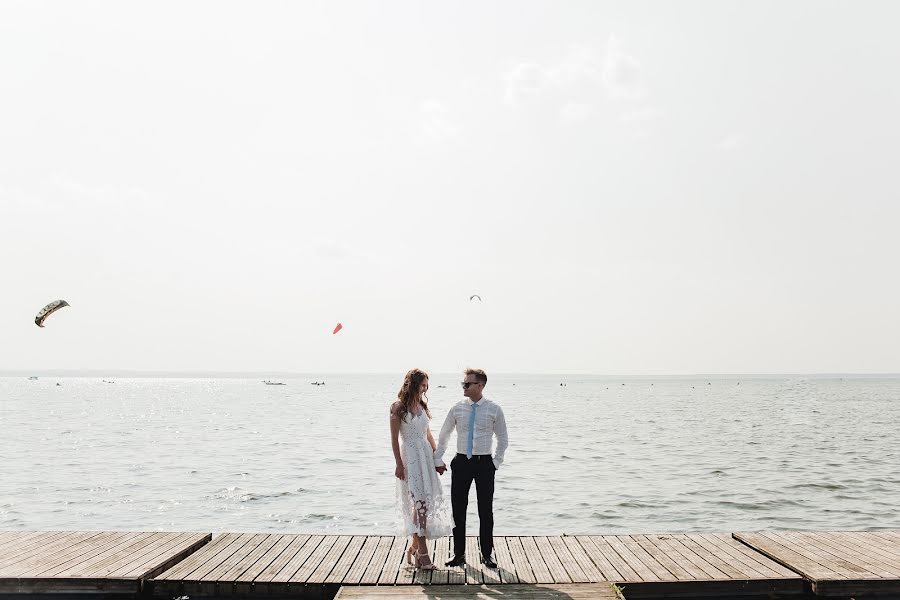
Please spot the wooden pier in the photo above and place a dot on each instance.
(268, 565)
(78, 562)
(645, 566)
(566, 591)
(837, 564)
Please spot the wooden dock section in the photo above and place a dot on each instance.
(266, 565)
(569, 591)
(837, 564)
(687, 565)
(78, 562)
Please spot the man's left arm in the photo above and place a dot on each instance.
(502, 437)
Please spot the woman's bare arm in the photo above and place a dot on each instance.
(395, 441)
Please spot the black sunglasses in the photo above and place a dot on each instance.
(466, 384)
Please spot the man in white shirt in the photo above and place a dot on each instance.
(476, 420)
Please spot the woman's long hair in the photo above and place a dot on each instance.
(409, 393)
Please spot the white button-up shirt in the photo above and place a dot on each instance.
(489, 421)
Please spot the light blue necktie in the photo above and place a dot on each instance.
(471, 431)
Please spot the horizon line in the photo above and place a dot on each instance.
(209, 374)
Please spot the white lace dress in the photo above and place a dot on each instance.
(421, 506)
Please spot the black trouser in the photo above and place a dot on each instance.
(479, 469)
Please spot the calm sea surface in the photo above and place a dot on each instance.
(597, 455)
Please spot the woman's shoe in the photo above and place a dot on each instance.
(409, 555)
(429, 566)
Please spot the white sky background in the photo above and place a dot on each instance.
(692, 187)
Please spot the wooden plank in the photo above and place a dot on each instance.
(88, 564)
(596, 546)
(660, 556)
(488, 576)
(296, 561)
(692, 543)
(647, 567)
(557, 571)
(193, 562)
(394, 561)
(633, 548)
(358, 568)
(39, 545)
(40, 564)
(166, 556)
(875, 546)
(520, 559)
(238, 552)
(122, 563)
(376, 565)
(342, 568)
(840, 549)
(295, 545)
(44, 554)
(97, 563)
(693, 563)
(312, 563)
(15, 543)
(245, 584)
(569, 562)
(455, 575)
(834, 569)
(200, 574)
(441, 556)
(207, 583)
(246, 558)
(798, 561)
(759, 561)
(607, 571)
(212, 562)
(330, 560)
(473, 564)
(541, 571)
(506, 568)
(748, 567)
(590, 570)
(12, 539)
(883, 552)
(571, 591)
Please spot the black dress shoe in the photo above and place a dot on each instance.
(458, 561)
(488, 562)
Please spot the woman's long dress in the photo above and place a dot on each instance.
(420, 497)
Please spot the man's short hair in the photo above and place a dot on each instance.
(480, 375)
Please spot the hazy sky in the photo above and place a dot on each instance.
(690, 187)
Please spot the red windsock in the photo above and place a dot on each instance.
(338, 328)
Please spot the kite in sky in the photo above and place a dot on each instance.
(49, 310)
(473, 296)
(337, 328)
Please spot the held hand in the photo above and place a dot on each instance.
(400, 472)
(440, 470)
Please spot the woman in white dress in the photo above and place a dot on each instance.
(423, 512)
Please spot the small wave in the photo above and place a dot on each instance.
(817, 486)
(636, 504)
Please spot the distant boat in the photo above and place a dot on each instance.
(32, 378)
(273, 383)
